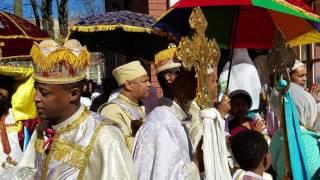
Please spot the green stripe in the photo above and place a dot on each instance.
(273, 5)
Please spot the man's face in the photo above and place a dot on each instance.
(51, 100)
(299, 76)
(140, 87)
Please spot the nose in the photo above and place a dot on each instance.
(36, 97)
(148, 83)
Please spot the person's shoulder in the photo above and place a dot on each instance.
(111, 108)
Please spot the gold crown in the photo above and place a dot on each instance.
(55, 64)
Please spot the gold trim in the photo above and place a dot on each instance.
(23, 37)
(291, 6)
(81, 117)
(16, 58)
(78, 120)
(64, 80)
(97, 28)
(89, 150)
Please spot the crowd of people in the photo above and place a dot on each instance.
(125, 131)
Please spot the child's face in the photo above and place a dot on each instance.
(239, 107)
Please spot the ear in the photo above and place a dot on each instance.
(128, 85)
(75, 94)
(170, 77)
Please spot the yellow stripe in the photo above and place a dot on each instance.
(291, 6)
(308, 38)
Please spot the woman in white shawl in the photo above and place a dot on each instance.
(307, 112)
(244, 76)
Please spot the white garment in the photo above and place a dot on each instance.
(239, 174)
(109, 158)
(85, 101)
(215, 153)
(243, 76)
(162, 148)
(16, 152)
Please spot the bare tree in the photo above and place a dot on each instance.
(47, 21)
(92, 7)
(34, 5)
(63, 16)
(18, 7)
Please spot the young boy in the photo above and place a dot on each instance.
(250, 150)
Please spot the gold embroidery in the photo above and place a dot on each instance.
(59, 152)
(89, 150)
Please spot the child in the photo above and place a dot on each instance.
(240, 105)
(250, 150)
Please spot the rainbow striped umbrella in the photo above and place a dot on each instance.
(244, 23)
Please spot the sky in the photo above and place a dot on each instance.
(77, 8)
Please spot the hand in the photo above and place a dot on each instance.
(314, 92)
(259, 126)
(224, 106)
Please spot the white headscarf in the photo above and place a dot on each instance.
(305, 104)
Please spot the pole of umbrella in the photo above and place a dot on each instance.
(233, 42)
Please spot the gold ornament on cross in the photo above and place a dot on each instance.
(200, 53)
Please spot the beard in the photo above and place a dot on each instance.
(4, 105)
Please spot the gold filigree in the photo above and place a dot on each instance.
(199, 52)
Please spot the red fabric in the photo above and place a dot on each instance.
(255, 28)
(12, 26)
(194, 3)
(235, 127)
(301, 4)
(49, 133)
(31, 124)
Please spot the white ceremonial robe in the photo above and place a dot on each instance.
(84, 147)
(12, 132)
(162, 148)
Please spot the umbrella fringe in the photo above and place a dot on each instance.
(98, 28)
(59, 55)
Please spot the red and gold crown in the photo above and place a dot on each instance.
(55, 64)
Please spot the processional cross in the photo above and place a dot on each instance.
(200, 53)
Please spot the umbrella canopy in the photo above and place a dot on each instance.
(245, 23)
(125, 32)
(17, 36)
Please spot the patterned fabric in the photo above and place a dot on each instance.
(119, 17)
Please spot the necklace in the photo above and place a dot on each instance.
(5, 144)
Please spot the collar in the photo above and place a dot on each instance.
(127, 100)
(70, 120)
(240, 173)
(177, 111)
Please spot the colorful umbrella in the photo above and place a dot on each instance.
(244, 23)
(125, 32)
(17, 36)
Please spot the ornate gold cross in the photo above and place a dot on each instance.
(200, 53)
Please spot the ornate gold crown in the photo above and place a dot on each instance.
(201, 53)
(55, 64)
